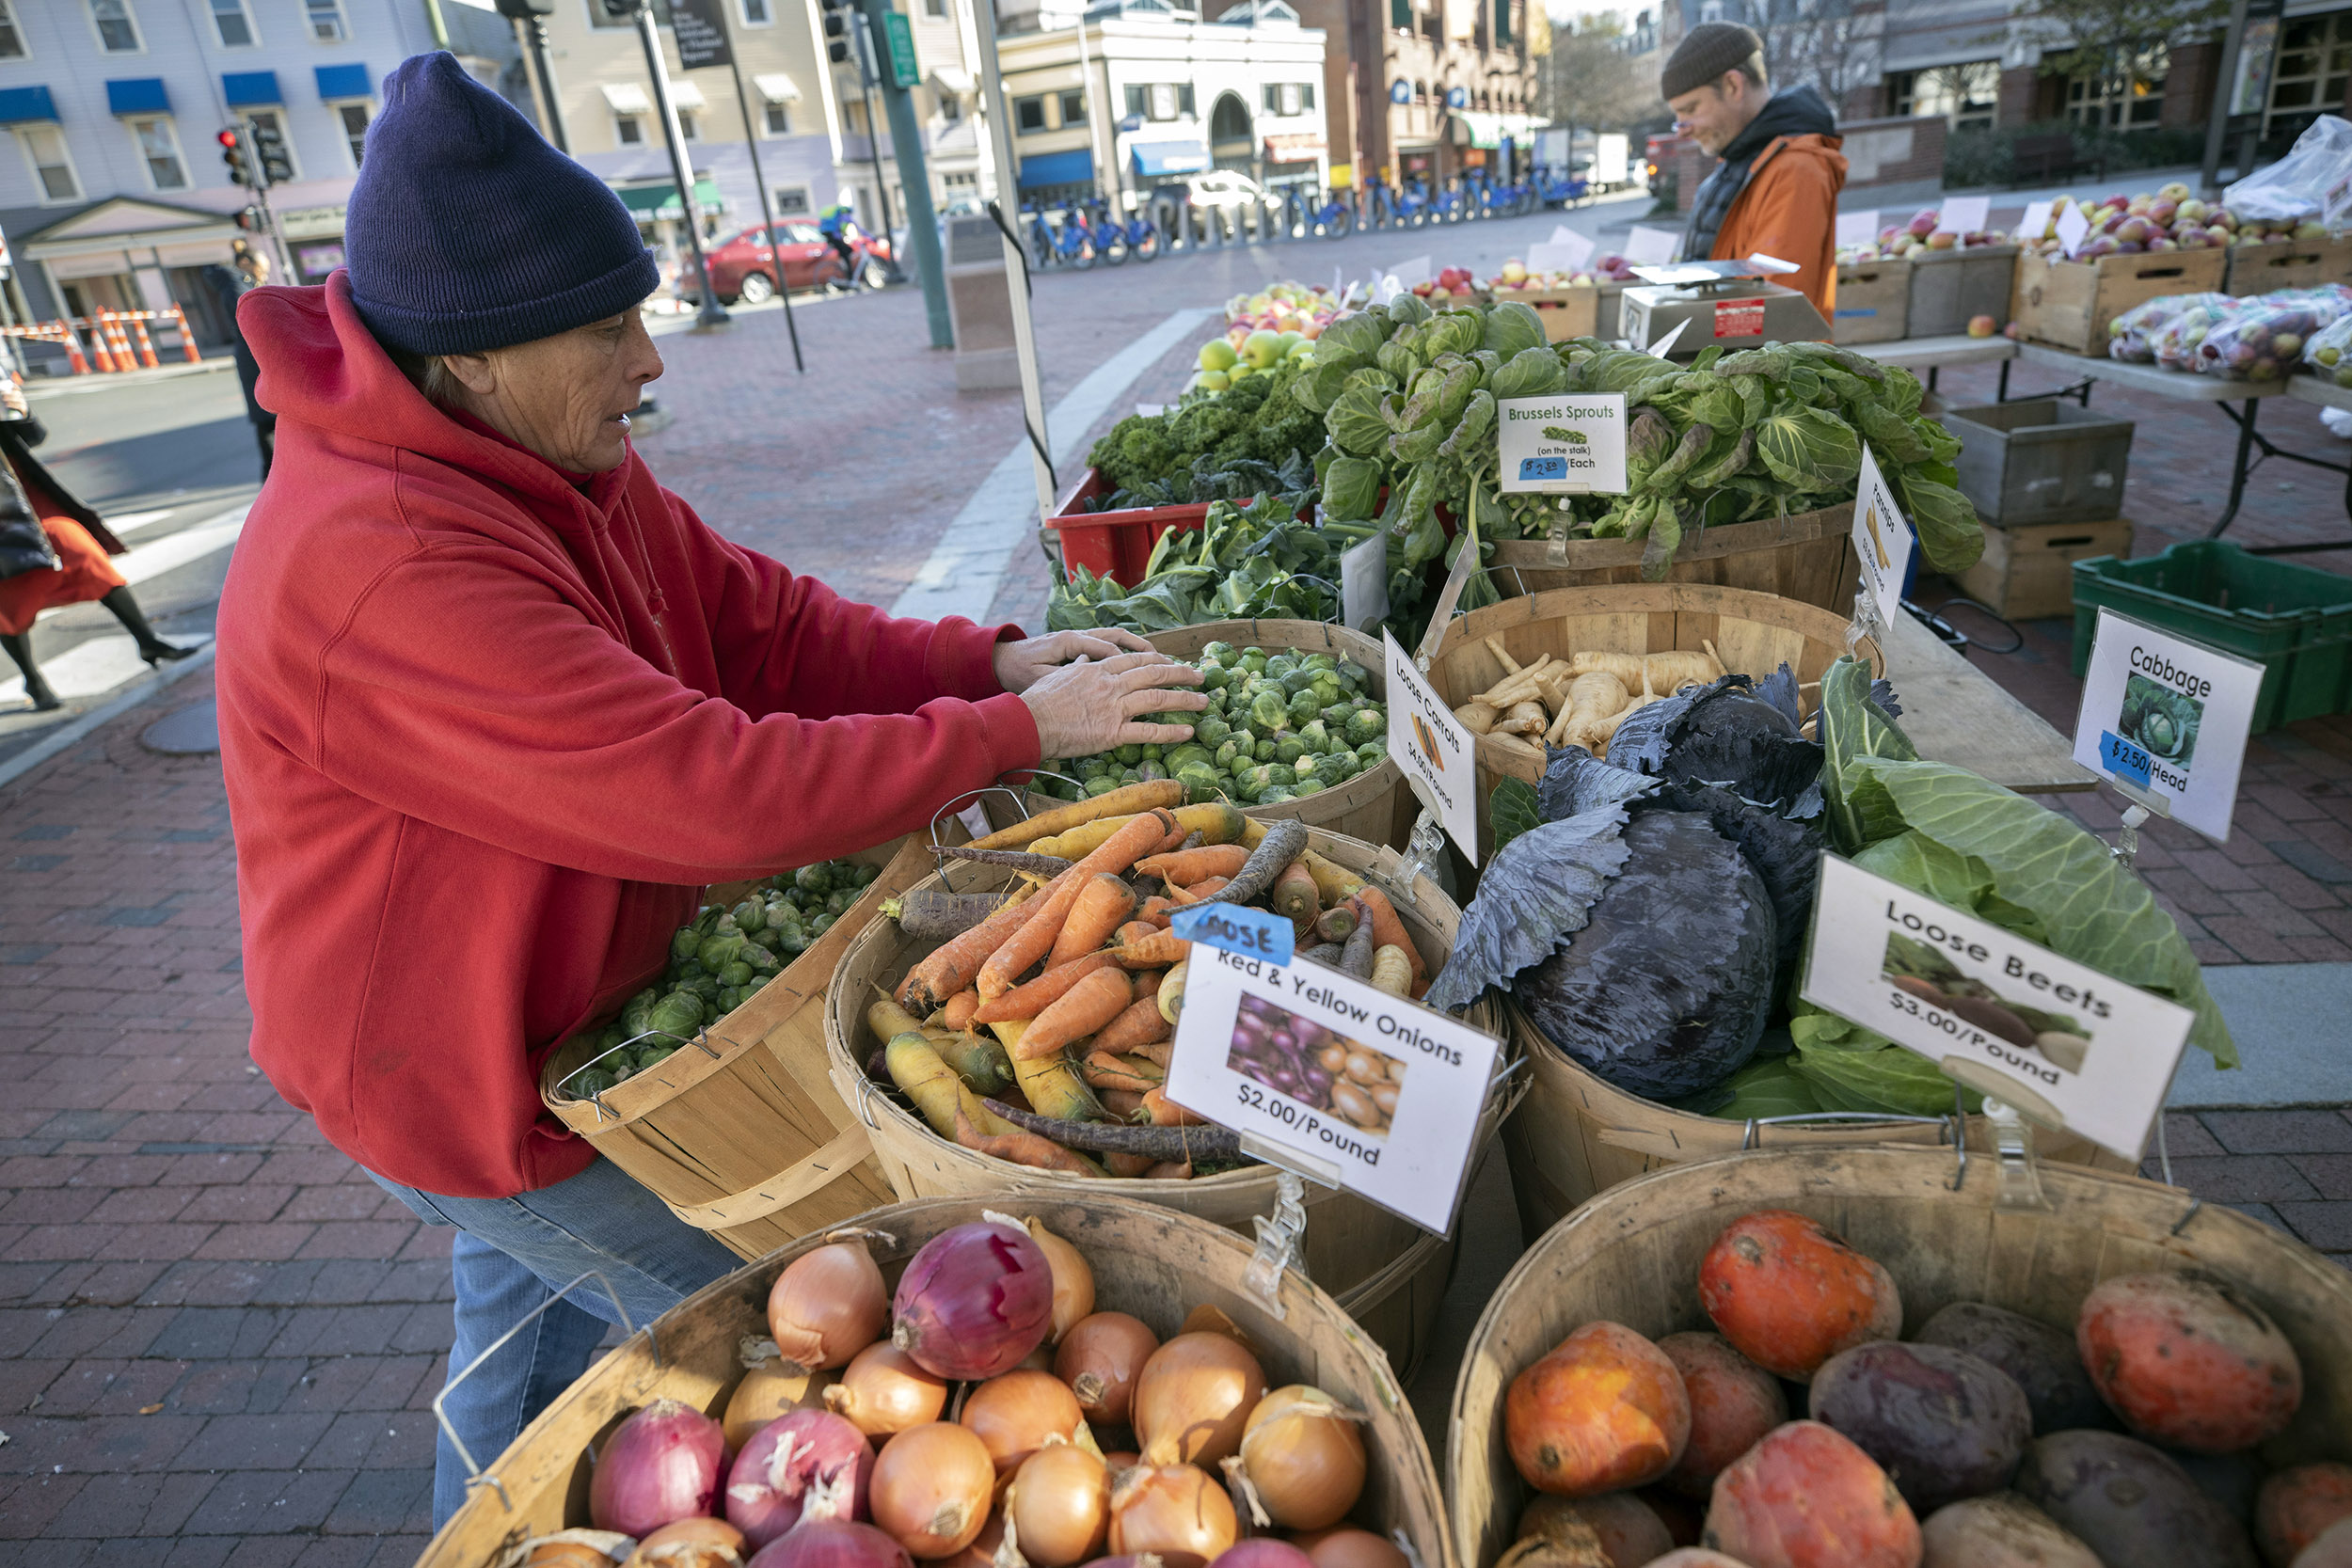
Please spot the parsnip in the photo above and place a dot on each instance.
(1517, 687)
(1477, 717)
(1526, 718)
(1519, 745)
(1666, 671)
(1494, 646)
(1606, 731)
(1592, 699)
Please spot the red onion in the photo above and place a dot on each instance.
(832, 1544)
(1262, 1551)
(976, 1301)
(808, 1465)
(661, 1465)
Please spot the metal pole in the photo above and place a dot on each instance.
(433, 19)
(545, 69)
(984, 13)
(767, 218)
(865, 72)
(261, 199)
(711, 313)
(914, 177)
(2217, 120)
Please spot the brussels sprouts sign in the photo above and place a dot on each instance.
(1561, 444)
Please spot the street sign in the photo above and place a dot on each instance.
(898, 37)
(701, 29)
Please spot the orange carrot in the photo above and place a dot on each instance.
(1156, 951)
(959, 1008)
(1177, 834)
(1023, 1148)
(1186, 866)
(1140, 1024)
(1171, 1170)
(1200, 892)
(1387, 929)
(1035, 938)
(1167, 1113)
(1154, 910)
(1094, 914)
(1148, 982)
(1043, 992)
(953, 966)
(1293, 895)
(1157, 1051)
(1087, 1006)
(1102, 1070)
(1125, 1164)
(1134, 930)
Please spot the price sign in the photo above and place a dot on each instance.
(1559, 254)
(2167, 718)
(1966, 214)
(1435, 749)
(1236, 929)
(2036, 223)
(1858, 227)
(1395, 1122)
(1561, 444)
(1647, 246)
(2072, 228)
(1364, 584)
(2066, 1045)
(1882, 540)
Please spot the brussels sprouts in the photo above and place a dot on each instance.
(795, 943)
(1289, 748)
(734, 974)
(684, 944)
(1268, 710)
(1326, 690)
(1216, 677)
(1367, 725)
(839, 901)
(590, 1081)
(1309, 785)
(751, 916)
(1147, 772)
(817, 880)
(1281, 773)
(1211, 730)
(1180, 758)
(1316, 734)
(704, 986)
(717, 952)
(680, 1013)
(1354, 675)
(1218, 652)
(822, 923)
(761, 960)
(1101, 783)
(1298, 681)
(757, 981)
(1127, 756)
(1304, 708)
(1280, 665)
(1254, 661)
(1277, 795)
(1199, 779)
(1373, 753)
(1227, 751)
(1264, 750)
(1320, 662)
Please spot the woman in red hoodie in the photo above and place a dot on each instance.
(495, 705)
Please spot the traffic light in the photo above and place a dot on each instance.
(249, 219)
(270, 148)
(233, 154)
(838, 31)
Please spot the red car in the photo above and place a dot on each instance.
(743, 270)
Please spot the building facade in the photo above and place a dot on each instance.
(1429, 88)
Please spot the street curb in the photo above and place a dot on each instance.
(72, 734)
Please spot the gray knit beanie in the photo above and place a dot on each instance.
(1706, 51)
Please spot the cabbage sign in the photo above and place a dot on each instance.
(2166, 720)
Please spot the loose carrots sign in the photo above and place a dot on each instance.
(1882, 540)
(1434, 748)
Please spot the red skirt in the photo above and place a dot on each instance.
(83, 573)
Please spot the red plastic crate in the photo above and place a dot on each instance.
(1116, 544)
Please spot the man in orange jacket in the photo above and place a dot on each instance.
(1775, 190)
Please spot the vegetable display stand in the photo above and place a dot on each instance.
(2294, 621)
(2069, 305)
(1632, 1257)
(2040, 460)
(1806, 556)
(1949, 288)
(1873, 302)
(2257, 269)
(1115, 543)
(1576, 1135)
(1388, 1273)
(2027, 574)
(1146, 1261)
(740, 1133)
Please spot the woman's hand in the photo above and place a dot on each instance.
(1021, 665)
(1088, 706)
(12, 398)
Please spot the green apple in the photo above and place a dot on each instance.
(1210, 380)
(1262, 349)
(1216, 355)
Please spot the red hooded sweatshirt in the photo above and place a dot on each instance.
(487, 735)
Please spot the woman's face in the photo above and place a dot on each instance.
(568, 397)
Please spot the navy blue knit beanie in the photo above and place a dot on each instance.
(467, 232)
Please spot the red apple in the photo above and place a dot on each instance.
(1981, 326)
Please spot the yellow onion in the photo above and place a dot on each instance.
(981, 1551)
(1303, 1458)
(690, 1544)
(1017, 1414)
(1100, 1358)
(1073, 1281)
(882, 1391)
(1349, 1548)
(770, 1390)
(1193, 1398)
(931, 1488)
(1060, 1506)
(1174, 1511)
(827, 1306)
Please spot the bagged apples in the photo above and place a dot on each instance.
(2264, 339)
(2330, 353)
(2133, 335)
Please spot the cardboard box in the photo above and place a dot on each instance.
(2257, 269)
(1948, 287)
(2027, 574)
(2069, 305)
(1873, 302)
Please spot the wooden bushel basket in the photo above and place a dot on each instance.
(1388, 1273)
(740, 1133)
(1147, 1260)
(1374, 805)
(1806, 556)
(1633, 1255)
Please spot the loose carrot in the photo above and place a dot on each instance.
(1148, 982)
(1127, 1164)
(1157, 1051)
(1023, 1148)
(1118, 803)
(888, 1020)
(1102, 1070)
(1043, 992)
(1094, 914)
(1087, 1006)
(1167, 1113)
(1048, 1082)
(1120, 1103)
(959, 1008)
(1199, 893)
(1033, 941)
(1140, 1024)
(1387, 929)
(1293, 895)
(1154, 910)
(1186, 866)
(953, 966)
(1134, 930)
(1170, 1170)
(1174, 841)
(1156, 951)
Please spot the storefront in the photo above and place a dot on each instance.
(128, 254)
(1295, 157)
(314, 241)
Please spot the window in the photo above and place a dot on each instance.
(1401, 15)
(1966, 95)
(756, 14)
(1028, 113)
(353, 117)
(326, 21)
(267, 120)
(689, 124)
(2129, 96)
(1139, 100)
(936, 9)
(779, 120)
(628, 130)
(951, 108)
(234, 27)
(1184, 100)
(117, 29)
(1287, 98)
(1306, 97)
(2314, 68)
(11, 37)
(791, 199)
(1158, 101)
(1073, 108)
(44, 148)
(160, 151)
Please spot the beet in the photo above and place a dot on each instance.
(2040, 1358)
(2130, 1503)
(1945, 1424)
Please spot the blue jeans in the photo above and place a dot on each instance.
(513, 1254)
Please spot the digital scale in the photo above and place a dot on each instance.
(1702, 304)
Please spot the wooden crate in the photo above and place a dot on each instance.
(2069, 305)
(1951, 288)
(1806, 556)
(2257, 269)
(2040, 460)
(1570, 312)
(1873, 302)
(2027, 574)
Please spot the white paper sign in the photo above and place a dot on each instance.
(1560, 255)
(1436, 751)
(1561, 444)
(2063, 1043)
(1647, 246)
(2072, 228)
(1858, 227)
(1562, 233)
(2168, 717)
(1412, 272)
(1882, 540)
(1396, 1124)
(1966, 214)
(2037, 220)
(1665, 345)
(1364, 584)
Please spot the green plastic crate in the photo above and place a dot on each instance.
(2294, 621)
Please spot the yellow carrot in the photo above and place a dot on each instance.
(1217, 823)
(1118, 803)
(932, 1084)
(1048, 1082)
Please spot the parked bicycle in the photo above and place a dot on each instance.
(1065, 244)
(1120, 240)
(1450, 205)
(1560, 190)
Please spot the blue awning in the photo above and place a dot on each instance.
(138, 95)
(18, 104)
(344, 81)
(1170, 157)
(1074, 168)
(244, 89)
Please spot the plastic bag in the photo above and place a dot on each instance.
(2330, 353)
(2133, 335)
(2174, 345)
(2265, 336)
(2313, 180)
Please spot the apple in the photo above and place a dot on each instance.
(2123, 200)
(1217, 355)
(2012, 331)
(2194, 211)
(2311, 230)
(1923, 223)
(1943, 239)
(2221, 217)
(2139, 205)
(1262, 349)
(2132, 230)
(1981, 326)
(2096, 247)
(2130, 247)
(2175, 191)
(2163, 211)
(1513, 270)
(1211, 381)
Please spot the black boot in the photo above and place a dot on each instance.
(20, 646)
(152, 647)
